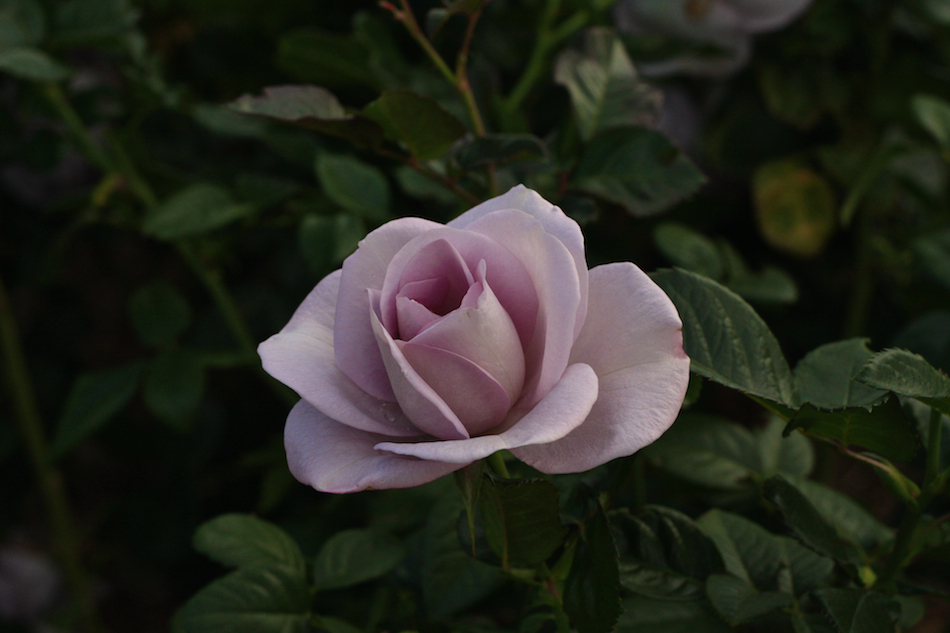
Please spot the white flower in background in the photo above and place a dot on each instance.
(28, 584)
(725, 26)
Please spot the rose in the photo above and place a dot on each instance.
(722, 24)
(437, 345)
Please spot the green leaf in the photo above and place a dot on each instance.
(790, 94)
(749, 552)
(666, 539)
(354, 185)
(689, 249)
(174, 385)
(805, 568)
(604, 87)
(85, 21)
(844, 513)
(499, 149)
(32, 64)
(451, 579)
(255, 599)
(809, 524)
(933, 113)
(647, 615)
(159, 313)
(908, 375)
(239, 540)
(416, 121)
(354, 556)
(521, 519)
(857, 611)
(325, 241)
(708, 451)
(95, 398)
(195, 210)
(326, 59)
(592, 588)
(883, 429)
(738, 602)
(312, 108)
(638, 169)
(795, 207)
(825, 376)
(659, 582)
(792, 456)
(22, 23)
(726, 340)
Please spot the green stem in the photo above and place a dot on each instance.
(547, 38)
(409, 19)
(497, 463)
(65, 540)
(120, 163)
(933, 447)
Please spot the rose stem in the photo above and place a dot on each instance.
(933, 486)
(65, 540)
(497, 463)
(459, 78)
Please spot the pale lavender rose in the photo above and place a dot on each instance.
(437, 345)
(726, 25)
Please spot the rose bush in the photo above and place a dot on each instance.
(437, 345)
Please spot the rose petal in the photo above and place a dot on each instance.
(634, 341)
(507, 275)
(486, 336)
(335, 458)
(757, 16)
(356, 352)
(437, 260)
(555, 280)
(564, 408)
(301, 356)
(413, 317)
(421, 404)
(472, 394)
(551, 218)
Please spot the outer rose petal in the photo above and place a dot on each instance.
(766, 15)
(332, 457)
(564, 408)
(301, 356)
(551, 218)
(634, 341)
(356, 354)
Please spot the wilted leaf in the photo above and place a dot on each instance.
(795, 207)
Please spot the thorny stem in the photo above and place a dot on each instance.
(446, 182)
(65, 540)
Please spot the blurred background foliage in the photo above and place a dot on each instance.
(152, 232)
